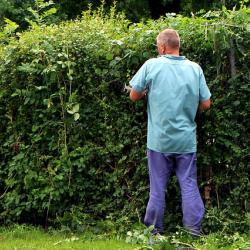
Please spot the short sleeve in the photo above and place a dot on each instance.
(204, 92)
(139, 81)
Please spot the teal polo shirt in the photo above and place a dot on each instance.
(175, 86)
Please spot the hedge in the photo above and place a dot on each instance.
(72, 145)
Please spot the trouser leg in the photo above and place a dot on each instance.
(192, 204)
(160, 168)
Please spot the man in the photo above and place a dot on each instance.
(176, 90)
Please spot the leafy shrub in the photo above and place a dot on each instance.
(71, 138)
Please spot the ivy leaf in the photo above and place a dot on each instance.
(76, 116)
(41, 87)
(74, 109)
(236, 103)
(109, 56)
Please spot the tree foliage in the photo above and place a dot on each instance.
(72, 145)
(134, 10)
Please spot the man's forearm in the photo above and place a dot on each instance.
(134, 95)
(204, 105)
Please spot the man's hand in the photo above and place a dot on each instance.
(127, 88)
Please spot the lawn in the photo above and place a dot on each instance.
(30, 238)
(26, 238)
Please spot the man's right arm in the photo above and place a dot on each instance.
(134, 95)
(138, 84)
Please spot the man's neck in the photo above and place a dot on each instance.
(172, 52)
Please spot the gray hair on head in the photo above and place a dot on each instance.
(169, 38)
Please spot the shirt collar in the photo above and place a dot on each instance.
(175, 57)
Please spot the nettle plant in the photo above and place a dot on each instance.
(70, 137)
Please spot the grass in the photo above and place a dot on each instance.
(220, 242)
(29, 238)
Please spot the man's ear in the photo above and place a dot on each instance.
(159, 47)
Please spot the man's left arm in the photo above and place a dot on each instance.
(204, 93)
(203, 105)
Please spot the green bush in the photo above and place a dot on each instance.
(70, 137)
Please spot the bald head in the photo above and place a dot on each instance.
(169, 39)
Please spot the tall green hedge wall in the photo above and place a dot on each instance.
(73, 144)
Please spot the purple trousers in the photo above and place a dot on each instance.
(161, 166)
